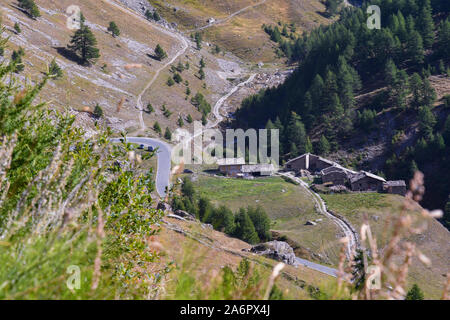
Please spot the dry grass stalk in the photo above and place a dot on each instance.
(120, 104)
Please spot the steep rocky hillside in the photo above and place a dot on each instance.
(124, 69)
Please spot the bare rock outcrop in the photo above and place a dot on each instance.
(277, 250)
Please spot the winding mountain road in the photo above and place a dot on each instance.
(164, 154)
(322, 208)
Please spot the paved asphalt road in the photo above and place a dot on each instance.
(164, 154)
(318, 267)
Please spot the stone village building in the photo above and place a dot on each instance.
(236, 167)
(333, 173)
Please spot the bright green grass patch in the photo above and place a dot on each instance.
(289, 207)
(354, 202)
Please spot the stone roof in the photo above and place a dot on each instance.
(230, 161)
(398, 183)
(295, 159)
(250, 168)
(364, 174)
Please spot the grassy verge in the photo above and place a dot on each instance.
(378, 210)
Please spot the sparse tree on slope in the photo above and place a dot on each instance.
(30, 7)
(84, 43)
(114, 29)
(160, 53)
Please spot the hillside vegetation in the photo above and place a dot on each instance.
(288, 206)
(379, 210)
(375, 95)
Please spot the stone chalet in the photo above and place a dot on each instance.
(366, 181)
(237, 167)
(308, 162)
(336, 175)
(395, 187)
(333, 173)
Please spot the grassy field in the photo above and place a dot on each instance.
(378, 209)
(288, 205)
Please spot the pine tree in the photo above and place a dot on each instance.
(114, 29)
(426, 24)
(261, 222)
(416, 85)
(177, 78)
(16, 58)
(447, 130)
(98, 111)
(168, 134)
(323, 147)
(296, 134)
(202, 63)
(444, 39)
(156, 16)
(54, 70)
(245, 230)
(180, 121)
(17, 28)
(414, 48)
(201, 74)
(30, 7)
(189, 119)
(428, 93)
(198, 40)
(83, 43)
(170, 81)
(150, 108)
(427, 121)
(415, 293)
(160, 53)
(157, 128)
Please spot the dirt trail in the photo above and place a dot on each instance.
(221, 21)
(172, 34)
(320, 205)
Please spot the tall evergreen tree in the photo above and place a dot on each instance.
(84, 43)
(444, 39)
(245, 230)
(414, 48)
(427, 121)
(261, 222)
(426, 24)
(323, 147)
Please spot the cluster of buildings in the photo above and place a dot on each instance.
(331, 173)
(335, 174)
